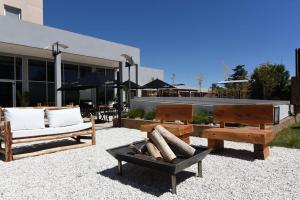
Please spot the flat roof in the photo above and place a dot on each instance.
(26, 38)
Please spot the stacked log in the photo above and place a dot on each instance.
(160, 144)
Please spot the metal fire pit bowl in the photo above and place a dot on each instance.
(124, 153)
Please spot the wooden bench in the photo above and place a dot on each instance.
(246, 115)
(166, 112)
(7, 139)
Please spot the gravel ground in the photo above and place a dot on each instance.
(90, 173)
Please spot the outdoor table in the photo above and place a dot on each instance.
(124, 153)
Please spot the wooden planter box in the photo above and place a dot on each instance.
(136, 124)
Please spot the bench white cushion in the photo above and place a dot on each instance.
(51, 131)
(25, 118)
(64, 117)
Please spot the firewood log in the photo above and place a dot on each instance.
(166, 152)
(153, 151)
(175, 141)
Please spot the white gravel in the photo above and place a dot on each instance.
(90, 173)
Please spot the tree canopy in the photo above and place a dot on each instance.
(270, 81)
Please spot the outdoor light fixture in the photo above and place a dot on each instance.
(128, 63)
(56, 48)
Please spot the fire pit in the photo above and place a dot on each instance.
(127, 154)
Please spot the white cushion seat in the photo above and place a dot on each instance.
(51, 131)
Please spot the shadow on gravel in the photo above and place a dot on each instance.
(236, 153)
(40, 146)
(147, 180)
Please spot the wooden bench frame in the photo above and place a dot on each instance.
(172, 112)
(7, 139)
(243, 114)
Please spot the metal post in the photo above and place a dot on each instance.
(129, 87)
(297, 62)
(57, 70)
(120, 167)
(173, 181)
(200, 169)
(137, 78)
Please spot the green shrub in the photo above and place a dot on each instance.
(136, 112)
(150, 115)
(202, 117)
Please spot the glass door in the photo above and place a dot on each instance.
(7, 94)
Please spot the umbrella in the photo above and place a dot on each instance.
(132, 85)
(157, 84)
(91, 80)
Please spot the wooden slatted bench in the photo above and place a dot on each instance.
(242, 114)
(168, 112)
(7, 139)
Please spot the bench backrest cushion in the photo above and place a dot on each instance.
(25, 118)
(244, 114)
(64, 117)
(171, 112)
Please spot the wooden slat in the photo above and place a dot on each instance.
(239, 135)
(244, 114)
(52, 150)
(176, 129)
(172, 112)
(51, 137)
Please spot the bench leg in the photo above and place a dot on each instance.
(173, 181)
(261, 151)
(216, 145)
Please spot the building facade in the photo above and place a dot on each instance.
(30, 74)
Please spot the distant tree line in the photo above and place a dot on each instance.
(268, 81)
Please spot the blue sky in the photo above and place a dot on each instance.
(188, 37)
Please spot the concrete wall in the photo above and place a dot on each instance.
(32, 10)
(204, 103)
(147, 74)
(39, 37)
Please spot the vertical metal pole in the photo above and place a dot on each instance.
(57, 68)
(129, 87)
(137, 78)
(297, 62)
(119, 94)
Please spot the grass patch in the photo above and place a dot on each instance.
(288, 137)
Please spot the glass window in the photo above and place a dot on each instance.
(18, 68)
(84, 71)
(6, 67)
(71, 96)
(22, 99)
(37, 93)
(37, 70)
(6, 94)
(12, 12)
(51, 95)
(70, 73)
(50, 71)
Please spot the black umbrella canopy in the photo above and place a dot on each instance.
(91, 80)
(157, 84)
(132, 85)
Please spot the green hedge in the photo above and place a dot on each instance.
(136, 112)
(202, 117)
(150, 115)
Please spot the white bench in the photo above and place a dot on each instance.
(25, 125)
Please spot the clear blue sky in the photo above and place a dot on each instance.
(187, 37)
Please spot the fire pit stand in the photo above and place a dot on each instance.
(124, 153)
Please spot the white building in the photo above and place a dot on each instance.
(27, 63)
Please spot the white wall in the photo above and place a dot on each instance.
(147, 74)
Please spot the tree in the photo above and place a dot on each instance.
(238, 90)
(270, 81)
